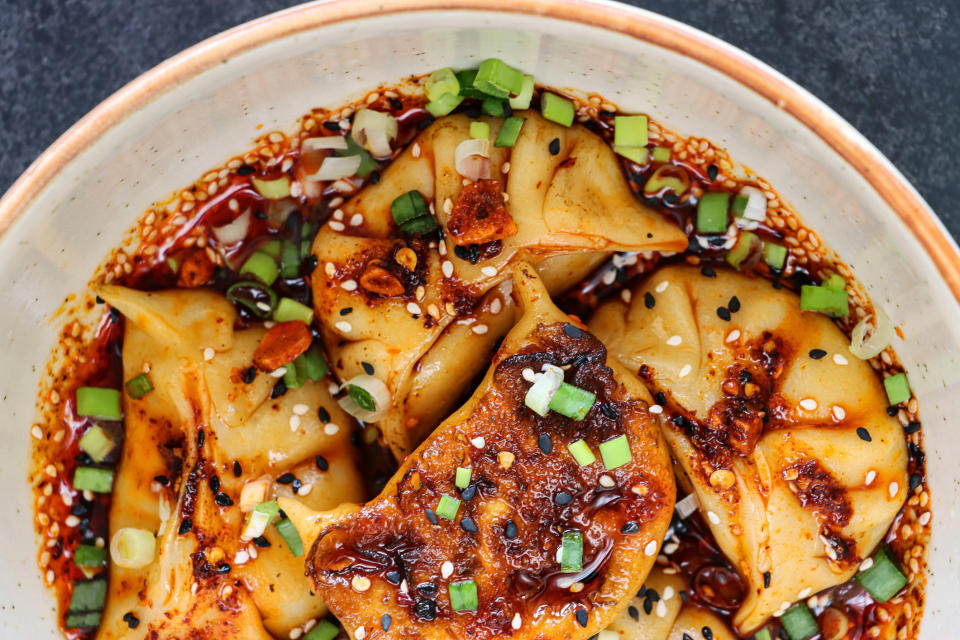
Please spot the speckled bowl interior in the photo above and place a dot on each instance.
(196, 111)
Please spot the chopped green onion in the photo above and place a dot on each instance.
(834, 281)
(270, 508)
(581, 453)
(97, 443)
(367, 163)
(640, 155)
(88, 555)
(93, 479)
(294, 376)
(258, 299)
(88, 595)
(362, 397)
(443, 105)
(272, 189)
(463, 477)
(173, 264)
(467, 90)
(745, 246)
(99, 402)
(572, 401)
(372, 391)
(84, 620)
(883, 579)
(305, 246)
(763, 634)
(138, 386)
(630, 131)
(543, 389)
(571, 554)
(775, 255)
(799, 623)
(661, 154)
(440, 82)
(289, 259)
(261, 516)
(557, 109)
(271, 248)
(447, 507)
(509, 132)
(498, 79)
(290, 310)
(523, 99)
(261, 265)
(479, 129)
(615, 453)
(832, 303)
(493, 107)
(897, 388)
(667, 176)
(313, 362)
(325, 630)
(133, 548)
(463, 595)
(739, 205)
(712, 212)
(291, 536)
(411, 213)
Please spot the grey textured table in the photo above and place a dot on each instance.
(887, 66)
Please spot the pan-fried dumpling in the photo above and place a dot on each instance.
(186, 342)
(803, 494)
(403, 559)
(385, 298)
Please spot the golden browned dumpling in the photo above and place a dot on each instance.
(385, 297)
(509, 550)
(781, 431)
(185, 442)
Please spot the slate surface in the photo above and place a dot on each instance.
(887, 66)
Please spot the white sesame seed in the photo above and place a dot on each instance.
(662, 286)
(263, 306)
(88, 496)
(331, 428)
(496, 306)
(447, 206)
(609, 276)
(441, 249)
(866, 564)
(515, 623)
(713, 518)
(349, 285)
(208, 354)
(924, 518)
(37, 432)
(505, 167)
(329, 269)
(360, 633)
(809, 404)
(478, 442)
(242, 557)
(278, 373)
(656, 409)
(626, 295)
(489, 271)
(446, 569)
(338, 214)
(296, 633)
(894, 489)
(344, 326)
(420, 292)
(528, 374)
(651, 548)
(360, 583)
(685, 370)
(606, 481)
(305, 490)
(333, 388)
(300, 409)
(447, 268)
(71, 521)
(870, 477)
(838, 412)
(804, 593)
(670, 548)
(337, 226)
(839, 359)
(668, 592)
(356, 220)
(50, 576)
(674, 341)
(733, 336)
(415, 150)
(480, 329)
(294, 422)
(50, 470)
(661, 609)
(414, 308)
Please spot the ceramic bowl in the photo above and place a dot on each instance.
(196, 110)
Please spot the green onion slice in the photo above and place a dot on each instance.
(313, 363)
(290, 310)
(373, 130)
(93, 479)
(544, 388)
(371, 392)
(639, 155)
(581, 453)
(775, 255)
(262, 266)
(479, 130)
(87, 555)
(411, 213)
(498, 79)
(325, 630)
(572, 401)
(712, 212)
(84, 620)
(616, 452)
(290, 536)
(522, 100)
(99, 402)
(799, 623)
(557, 109)
(442, 81)
(463, 477)
(444, 104)
(883, 579)
(362, 397)
(97, 443)
(661, 154)
(272, 189)
(467, 90)
(289, 259)
(746, 245)
(835, 281)
(827, 301)
(630, 131)
(463, 595)
(763, 634)
(294, 376)
(132, 548)
(367, 163)
(259, 519)
(138, 386)
(258, 299)
(88, 595)
(667, 177)
(447, 507)
(738, 205)
(897, 388)
(493, 107)
(571, 552)
(509, 132)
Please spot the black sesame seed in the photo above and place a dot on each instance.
(609, 410)
(114, 315)
(394, 577)
(745, 377)
(279, 389)
(222, 568)
(427, 588)
(911, 428)
(237, 469)
(915, 481)
(709, 272)
(572, 330)
(323, 414)
(248, 375)
(395, 103)
(707, 633)
(261, 542)
(777, 284)
(100, 300)
(214, 483)
(164, 480)
(892, 410)
(80, 510)
(723, 313)
(367, 368)
(346, 311)
(661, 398)
(545, 443)
(766, 579)
(431, 516)
(582, 617)
(671, 198)
(247, 170)
(224, 500)
(642, 592)
(511, 531)
(472, 111)
(468, 493)
(562, 498)
(332, 125)
(555, 146)
(684, 596)
(712, 171)
(385, 621)
(816, 354)
(734, 304)
(634, 612)
(374, 177)
(286, 478)
(468, 525)
(322, 463)
(201, 438)
(606, 114)
(185, 526)
(649, 301)
(425, 609)
(310, 263)
(653, 594)
(132, 621)
(630, 527)
(647, 606)
(686, 636)
(863, 434)
(296, 485)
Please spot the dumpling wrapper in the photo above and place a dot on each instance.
(168, 333)
(811, 499)
(356, 550)
(575, 201)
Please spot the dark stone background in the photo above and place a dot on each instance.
(890, 67)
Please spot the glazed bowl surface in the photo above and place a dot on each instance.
(193, 112)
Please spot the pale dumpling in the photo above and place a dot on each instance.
(800, 496)
(384, 298)
(186, 343)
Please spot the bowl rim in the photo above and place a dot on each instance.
(885, 179)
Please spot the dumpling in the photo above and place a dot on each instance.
(186, 343)
(384, 298)
(782, 433)
(424, 547)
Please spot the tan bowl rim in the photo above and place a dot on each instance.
(885, 179)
